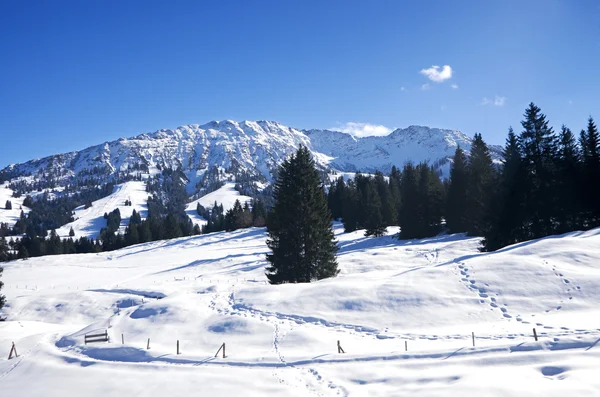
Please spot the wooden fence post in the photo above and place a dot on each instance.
(13, 349)
(405, 345)
(473, 337)
(177, 346)
(222, 347)
(122, 339)
(340, 350)
(535, 335)
(148, 345)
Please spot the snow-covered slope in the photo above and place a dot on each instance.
(225, 195)
(12, 215)
(282, 340)
(89, 221)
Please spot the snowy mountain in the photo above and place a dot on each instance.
(226, 149)
(403, 311)
(213, 156)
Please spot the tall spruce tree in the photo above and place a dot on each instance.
(456, 199)
(505, 214)
(335, 198)
(408, 216)
(375, 225)
(350, 207)
(538, 144)
(301, 238)
(480, 177)
(569, 181)
(389, 213)
(590, 145)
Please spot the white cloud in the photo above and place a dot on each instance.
(437, 74)
(454, 86)
(496, 101)
(362, 129)
(403, 89)
(425, 87)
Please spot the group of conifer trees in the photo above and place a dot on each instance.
(237, 217)
(412, 198)
(547, 183)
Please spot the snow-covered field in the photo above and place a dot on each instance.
(282, 340)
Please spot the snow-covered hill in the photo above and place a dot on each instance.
(12, 215)
(225, 196)
(282, 340)
(89, 221)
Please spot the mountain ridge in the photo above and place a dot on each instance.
(248, 151)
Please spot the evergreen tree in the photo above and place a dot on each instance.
(171, 228)
(71, 232)
(408, 216)
(375, 225)
(431, 199)
(590, 142)
(22, 253)
(335, 198)
(259, 214)
(538, 145)
(395, 182)
(350, 207)
(506, 215)
(8, 205)
(131, 235)
(569, 182)
(480, 177)
(301, 238)
(389, 214)
(456, 200)
(4, 253)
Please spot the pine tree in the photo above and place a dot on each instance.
(171, 228)
(131, 235)
(301, 238)
(408, 217)
(538, 145)
(505, 215)
(22, 253)
(4, 253)
(8, 205)
(480, 176)
(335, 198)
(569, 181)
(375, 225)
(259, 214)
(389, 214)
(590, 142)
(71, 232)
(456, 200)
(350, 207)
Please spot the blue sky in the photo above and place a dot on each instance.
(74, 74)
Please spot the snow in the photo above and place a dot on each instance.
(89, 221)
(10, 216)
(253, 147)
(225, 195)
(282, 340)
